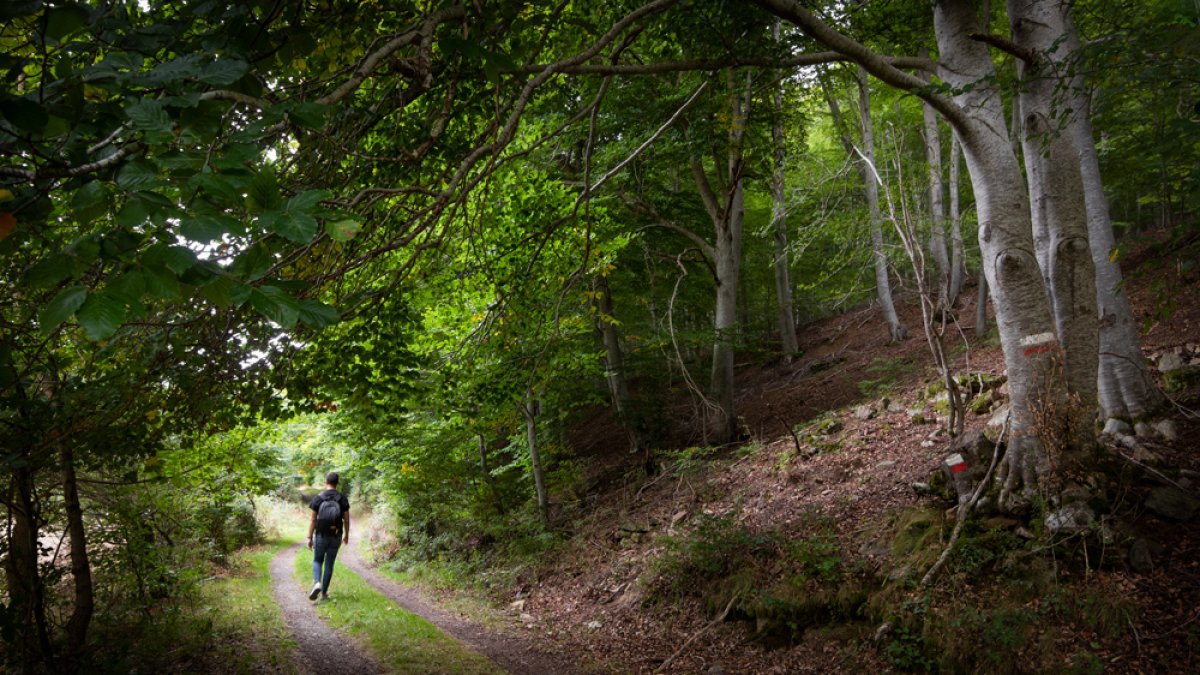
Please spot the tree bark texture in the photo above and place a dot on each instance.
(937, 205)
(1125, 387)
(26, 592)
(783, 284)
(487, 474)
(530, 410)
(81, 569)
(866, 164)
(1058, 214)
(614, 363)
(958, 263)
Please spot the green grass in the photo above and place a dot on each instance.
(247, 627)
(401, 641)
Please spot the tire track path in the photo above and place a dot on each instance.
(322, 650)
(511, 653)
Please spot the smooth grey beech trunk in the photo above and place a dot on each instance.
(883, 286)
(726, 212)
(937, 204)
(864, 162)
(783, 283)
(1024, 315)
(1124, 384)
(530, 410)
(958, 263)
(1058, 212)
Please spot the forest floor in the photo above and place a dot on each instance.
(785, 554)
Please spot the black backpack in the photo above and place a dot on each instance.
(329, 514)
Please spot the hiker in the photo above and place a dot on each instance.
(330, 523)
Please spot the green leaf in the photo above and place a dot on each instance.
(173, 71)
(224, 72)
(205, 228)
(343, 230)
(317, 314)
(275, 304)
(148, 115)
(263, 192)
(218, 187)
(61, 308)
(161, 284)
(133, 214)
(50, 271)
(137, 174)
(252, 263)
(305, 201)
(89, 202)
(127, 288)
(101, 315)
(297, 227)
(24, 114)
(179, 258)
(311, 115)
(62, 21)
(218, 291)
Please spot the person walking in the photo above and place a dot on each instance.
(328, 529)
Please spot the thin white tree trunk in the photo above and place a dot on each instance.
(937, 205)
(783, 283)
(958, 263)
(883, 286)
(530, 411)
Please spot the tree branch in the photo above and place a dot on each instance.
(794, 61)
(1005, 45)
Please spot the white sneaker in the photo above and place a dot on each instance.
(316, 590)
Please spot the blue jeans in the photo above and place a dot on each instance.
(325, 550)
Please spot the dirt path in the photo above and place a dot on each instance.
(322, 650)
(511, 653)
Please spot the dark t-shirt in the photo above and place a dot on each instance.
(342, 502)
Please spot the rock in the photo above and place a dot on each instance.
(679, 515)
(828, 426)
(1166, 429)
(593, 625)
(1143, 430)
(895, 407)
(882, 631)
(1169, 361)
(517, 606)
(1140, 559)
(715, 670)
(927, 444)
(922, 488)
(1072, 518)
(995, 425)
(1117, 427)
(864, 412)
(527, 618)
(1172, 503)
(971, 455)
(886, 464)
(918, 416)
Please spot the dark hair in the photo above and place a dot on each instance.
(331, 478)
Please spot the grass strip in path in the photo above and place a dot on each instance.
(248, 632)
(401, 641)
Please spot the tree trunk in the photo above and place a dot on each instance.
(937, 207)
(1058, 213)
(864, 162)
(81, 569)
(1124, 384)
(27, 603)
(783, 284)
(530, 410)
(958, 263)
(1024, 314)
(487, 474)
(614, 363)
